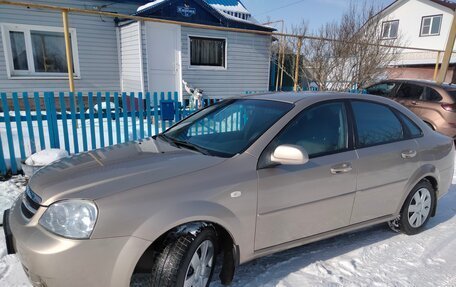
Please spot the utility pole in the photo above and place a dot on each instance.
(448, 52)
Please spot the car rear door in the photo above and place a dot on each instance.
(299, 201)
(411, 95)
(430, 108)
(387, 157)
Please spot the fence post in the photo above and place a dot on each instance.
(51, 118)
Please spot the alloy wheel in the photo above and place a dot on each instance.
(200, 267)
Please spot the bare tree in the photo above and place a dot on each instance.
(345, 54)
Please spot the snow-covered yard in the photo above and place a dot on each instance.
(371, 257)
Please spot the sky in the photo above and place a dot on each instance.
(315, 12)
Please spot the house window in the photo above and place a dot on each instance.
(207, 52)
(389, 29)
(37, 51)
(430, 25)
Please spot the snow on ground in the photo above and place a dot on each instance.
(9, 191)
(92, 143)
(374, 256)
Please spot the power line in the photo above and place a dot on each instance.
(281, 7)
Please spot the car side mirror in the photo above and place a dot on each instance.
(289, 155)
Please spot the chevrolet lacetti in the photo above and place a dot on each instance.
(238, 180)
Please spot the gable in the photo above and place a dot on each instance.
(444, 5)
(196, 11)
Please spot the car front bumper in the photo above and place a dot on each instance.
(51, 260)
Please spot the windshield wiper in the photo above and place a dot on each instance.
(167, 139)
(179, 144)
(191, 146)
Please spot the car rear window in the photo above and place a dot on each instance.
(375, 124)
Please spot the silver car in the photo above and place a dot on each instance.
(241, 179)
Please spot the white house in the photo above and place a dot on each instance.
(421, 24)
(157, 56)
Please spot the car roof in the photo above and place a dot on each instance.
(429, 83)
(294, 97)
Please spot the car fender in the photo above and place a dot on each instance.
(422, 172)
(187, 212)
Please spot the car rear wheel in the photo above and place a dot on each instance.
(417, 209)
(186, 261)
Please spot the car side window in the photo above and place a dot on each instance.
(319, 130)
(375, 124)
(432, 95)
(413, 129)
(410, 92)
(382, 89)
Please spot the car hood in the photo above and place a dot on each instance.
(103, 172)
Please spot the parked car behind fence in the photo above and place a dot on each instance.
(434, 104)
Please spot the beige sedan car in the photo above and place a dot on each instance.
(241, 179)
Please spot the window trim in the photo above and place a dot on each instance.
(30, 74)
(428, 91)
(397, 113)
(407, 133)
(211, 68)
(389, 31)
(430, 27)
(350, 131)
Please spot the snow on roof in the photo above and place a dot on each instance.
(250, 20)
(238, 7)
(150, 5)
(230, 9)
(227, 6)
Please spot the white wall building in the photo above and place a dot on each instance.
(421, 24)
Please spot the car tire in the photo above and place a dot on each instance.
(417, 209)
(180, 259)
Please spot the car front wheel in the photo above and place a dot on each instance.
(186, 261)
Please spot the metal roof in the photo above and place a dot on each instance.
(223, 2)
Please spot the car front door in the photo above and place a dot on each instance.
(387, 158)
(299, 201)
(384, 89)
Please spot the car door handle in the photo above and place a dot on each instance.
(408, 154)
(341, 168)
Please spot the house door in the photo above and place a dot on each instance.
(164, 57)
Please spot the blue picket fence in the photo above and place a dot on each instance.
(79, 122)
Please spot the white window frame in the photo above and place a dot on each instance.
(432, 17)
(389, 29)
(198, 67)
(30, 73)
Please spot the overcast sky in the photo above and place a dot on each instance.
(315, 12)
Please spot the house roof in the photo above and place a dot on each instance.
(445, 3)
(227, 13)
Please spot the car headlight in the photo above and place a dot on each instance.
(70, 218)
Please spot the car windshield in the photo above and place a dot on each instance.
(226, 128)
